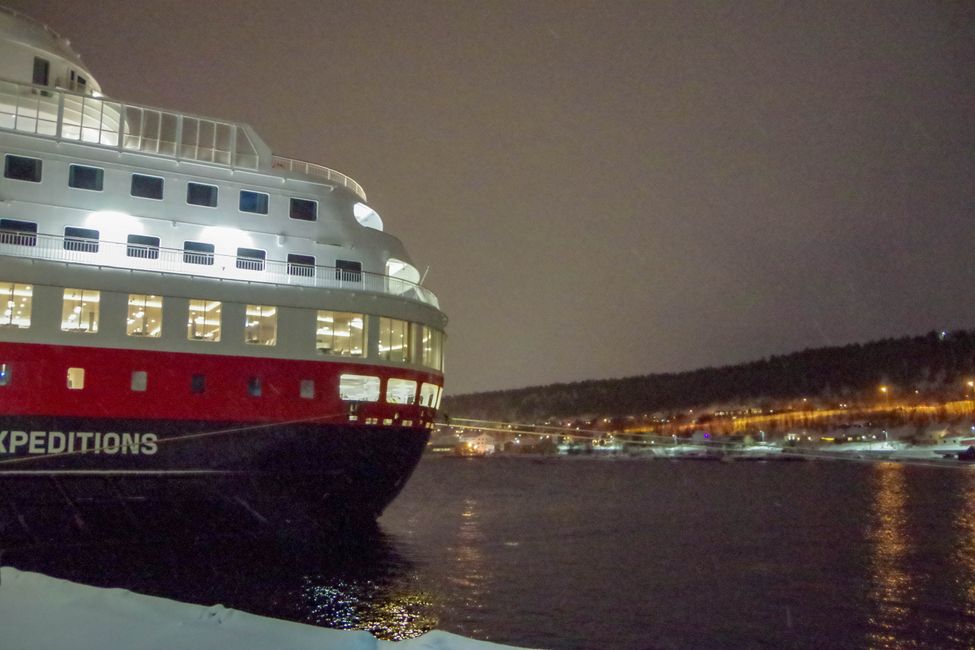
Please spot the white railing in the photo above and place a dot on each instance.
(63, 115)
(118, 255)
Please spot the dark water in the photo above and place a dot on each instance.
(615, 554)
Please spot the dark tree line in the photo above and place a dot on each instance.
(934, 364)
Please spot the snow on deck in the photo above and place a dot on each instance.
(38, 612)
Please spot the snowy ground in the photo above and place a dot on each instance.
(42, 613)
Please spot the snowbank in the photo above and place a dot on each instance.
(42, 613)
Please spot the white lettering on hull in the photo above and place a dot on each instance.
(40, 443)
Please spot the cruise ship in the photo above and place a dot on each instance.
(198, 334)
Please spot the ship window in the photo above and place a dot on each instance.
(21, 233)
(76, 378)
(147, 187)
(428, 395)
(83, 240)
(143, 246)
(20, 168)
(261, 325)
(254, 386)
(359, 388)
(432, 346)
(80, 311)
(4, 374)
(255, 202)
(85, 178)
(42, 71)
(301, 265)
(204, 321)
(307, 390)
(348, 271)
(400, 391)
(198, 384)
(140, 380)
(251, 259)
(304, 209)
(340, 333)
(17, 300)
(196, 252)
(394, 339)
(199, 194)
(144, 316)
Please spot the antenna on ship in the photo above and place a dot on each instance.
(424, 276)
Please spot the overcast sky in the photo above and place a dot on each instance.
(603, 189)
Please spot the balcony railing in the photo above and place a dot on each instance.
(62, 115)
(118, 255)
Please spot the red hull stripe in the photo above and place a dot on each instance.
(37, 386)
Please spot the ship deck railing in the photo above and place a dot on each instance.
(62, 115)
(216, 266)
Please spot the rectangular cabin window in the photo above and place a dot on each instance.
(147, 187)
(144, 315)
(200, 194)
(76, 378)
(359, 388)
(203, 323)
(306, 390)
(21, 168)
(301, 265)
(254, 386)
(255, 202)
(79, 312)
(4, 374)
(198, 384)
(143, 247)
(394, 340)
(340, 333)
(83, 240)
(400, 391)
(348, 271)
(19, 233)
(140, 380)
(304, 210)
(260, 325)
(17, 300)
(86, 178)
(197, 252)
(251, 259)
(42, 71)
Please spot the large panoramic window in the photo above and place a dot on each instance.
(203, 323)
(394, 339)
(400, 391)
(80, 311)
(17, 299)
(432, 346)
(261, 325)
(145, 315)
(340, 333)
(359, 388)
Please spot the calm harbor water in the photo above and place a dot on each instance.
(590, 553)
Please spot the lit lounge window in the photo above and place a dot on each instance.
(4, 374)
(204, 321)
(19, 233)
(301, 265)
(432, 344)
(147, 187)
(400, 391)
(76, 378)
(340, 333)
(145, 315)
(21, 168)
(251, 259)
(82, 240)
(17, 300)
(255, 202)
(428, 395)
(394, 339)
(140, 380)
(359, 388)
(200, 194)
(261, 325)
(80, 311)
(85, 178)
(197, 252)
(143, 247)
(304, 210)
(307, 389)
(348, 271)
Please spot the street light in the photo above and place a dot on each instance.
(883, 390)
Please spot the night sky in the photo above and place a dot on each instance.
(603, 189)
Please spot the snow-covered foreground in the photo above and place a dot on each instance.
(40, 613)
